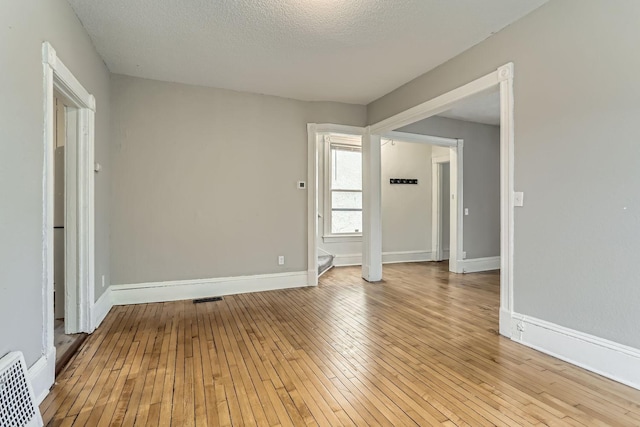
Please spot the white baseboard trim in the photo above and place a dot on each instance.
(42, 375)
(387, 258)
(142, 293)
(607, 358)
(312, 277)
(479, 264)
(505, 320)
(406, 256)
(347, 259)
(101, 308)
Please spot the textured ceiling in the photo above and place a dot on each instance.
(340, 50)
(484, 108)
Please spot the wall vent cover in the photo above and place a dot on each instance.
(208, 299)
(17, 403)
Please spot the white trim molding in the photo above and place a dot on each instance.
(315, 141)
(143, 293)
(501, 78)
(343, 260)
(437, 205)
(456, 218)
(607, 358)
(439, 104)
(475, 265)
(507, 177)
(420, 139)
(101, 309)
(371, 207)
(355, 144)
(326, 128)
(342, 239)
(79, 218)
(42, 375)
(406, 256)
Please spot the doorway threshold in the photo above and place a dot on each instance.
(66, 345)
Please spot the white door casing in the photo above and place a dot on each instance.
(315, 141)
(79, 204)
(502, 78)
(372, 229)
(436, 205)
(455, 159)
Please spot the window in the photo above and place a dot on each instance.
(343, 185)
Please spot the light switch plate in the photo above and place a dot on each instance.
(518, 198)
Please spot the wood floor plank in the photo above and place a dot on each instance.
(419, 348)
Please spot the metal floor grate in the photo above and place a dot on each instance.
(17, 406)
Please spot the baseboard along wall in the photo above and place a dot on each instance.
(387, 258)
(101, 308)
(607, 358)
(42, 375)
(468, 265)
(476, 265)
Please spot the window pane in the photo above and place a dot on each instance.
(346, 200)
(346, 169)
(346, 222)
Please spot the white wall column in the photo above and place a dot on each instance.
(371, 207)
(312, 205)
(456, 216)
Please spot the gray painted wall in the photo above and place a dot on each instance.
(576, 90)
(24, 25)
(204, 181)
(481, 177)
(406, 209)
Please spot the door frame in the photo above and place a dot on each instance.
(456, 184)
(79, 198)
(502, 78)
(436, 205)
(315, 147)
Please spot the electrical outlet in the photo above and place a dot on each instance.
(466, 211)
(281, 260)
(103, 280)
(464, 255)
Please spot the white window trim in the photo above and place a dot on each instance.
(328, 236)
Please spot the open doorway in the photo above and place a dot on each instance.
(68, 138)
(476, 120)
(339, 199)
(502, 80)
(440, 206)
(406, 156)
(65, 342)
(334, 197)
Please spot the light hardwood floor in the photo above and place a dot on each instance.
(421, 348)
(66, 345)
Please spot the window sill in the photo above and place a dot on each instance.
(339, 238)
